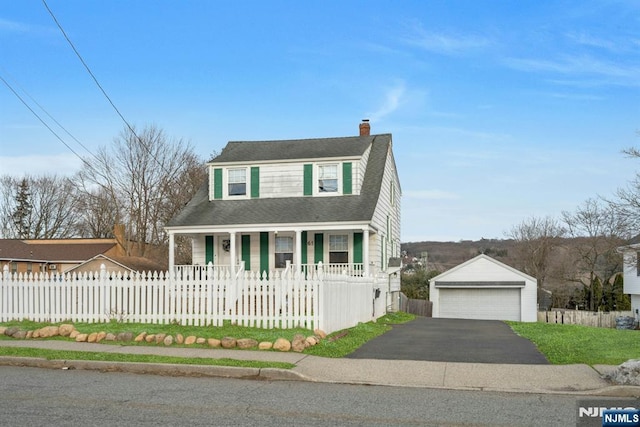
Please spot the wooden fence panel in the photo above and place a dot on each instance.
(599, 319)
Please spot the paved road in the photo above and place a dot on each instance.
(452, 340)
(39, 397)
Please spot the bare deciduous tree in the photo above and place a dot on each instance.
(597, 230)
(146, 177)
(537, 238)
(42, 207)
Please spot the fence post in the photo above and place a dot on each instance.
(103, 286)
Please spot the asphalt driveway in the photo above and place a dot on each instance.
(452, 340)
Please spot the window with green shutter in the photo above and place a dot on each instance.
(308, 180)
(217, 183)
(255, 182)
(347, 178)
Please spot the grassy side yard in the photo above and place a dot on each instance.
(337, 344)
(569, 344)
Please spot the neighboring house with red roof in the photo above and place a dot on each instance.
(53, 255)
(66, 255)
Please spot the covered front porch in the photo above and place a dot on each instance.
(338, 249)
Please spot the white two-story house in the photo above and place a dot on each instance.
(631, 254)
(272, 204)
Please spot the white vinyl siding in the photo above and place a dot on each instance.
(631, 278)
(386, 217)
(287, 179)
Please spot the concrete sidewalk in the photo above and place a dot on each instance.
(559, 379)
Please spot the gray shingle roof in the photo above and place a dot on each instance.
(252, 151)
(18, 250)
(200, 211)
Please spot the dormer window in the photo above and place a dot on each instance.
(237, 180)
(328, 178)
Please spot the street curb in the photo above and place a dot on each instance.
(272, 374)
(165, 369)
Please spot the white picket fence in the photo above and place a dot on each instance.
(279, 300)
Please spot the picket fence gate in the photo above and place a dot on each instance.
(275, 301)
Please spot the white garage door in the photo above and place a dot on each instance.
(485, 304)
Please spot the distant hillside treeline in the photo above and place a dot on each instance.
(442, 256)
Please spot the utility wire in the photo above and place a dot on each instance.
(47, 113)
(131, 129)
(43, 122)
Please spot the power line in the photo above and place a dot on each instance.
(131, 129)
(43, 122)
(48, 114)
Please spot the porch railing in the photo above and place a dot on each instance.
(202, 272)
(193, 272)
(356, 269)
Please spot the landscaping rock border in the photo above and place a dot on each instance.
(298, 344)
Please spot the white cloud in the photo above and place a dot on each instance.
(446, 43)
(393, 98)
(613, 73)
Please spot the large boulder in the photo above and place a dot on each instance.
(282, 344)
(213, 342)
(65, 329)
(246, 343)
(299, 343)
(228, 342)
(626, 374)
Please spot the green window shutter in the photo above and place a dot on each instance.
(357, 248)
(318, 248)
(308, 180)
(246, 251)
(208, 249)
(347, 178)
(303, 249)
(217, 183)
(255, 182)
(264, 252)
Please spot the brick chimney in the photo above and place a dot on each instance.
(365, 128)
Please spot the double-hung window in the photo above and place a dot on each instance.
(328, 178)
(338, 249)
(284, 251)
(237, 180)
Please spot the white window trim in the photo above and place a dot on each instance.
(225, 183)
(316, 179)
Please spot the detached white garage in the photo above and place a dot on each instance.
(486, 289)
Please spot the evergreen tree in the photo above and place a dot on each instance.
(22, 214)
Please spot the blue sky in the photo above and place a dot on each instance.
(499, 110)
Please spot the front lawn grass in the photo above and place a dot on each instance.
(338, 344)
(569, 344)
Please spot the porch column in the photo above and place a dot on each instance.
(298, 260)
(365, 251)
(172, 254)
(232, 252)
